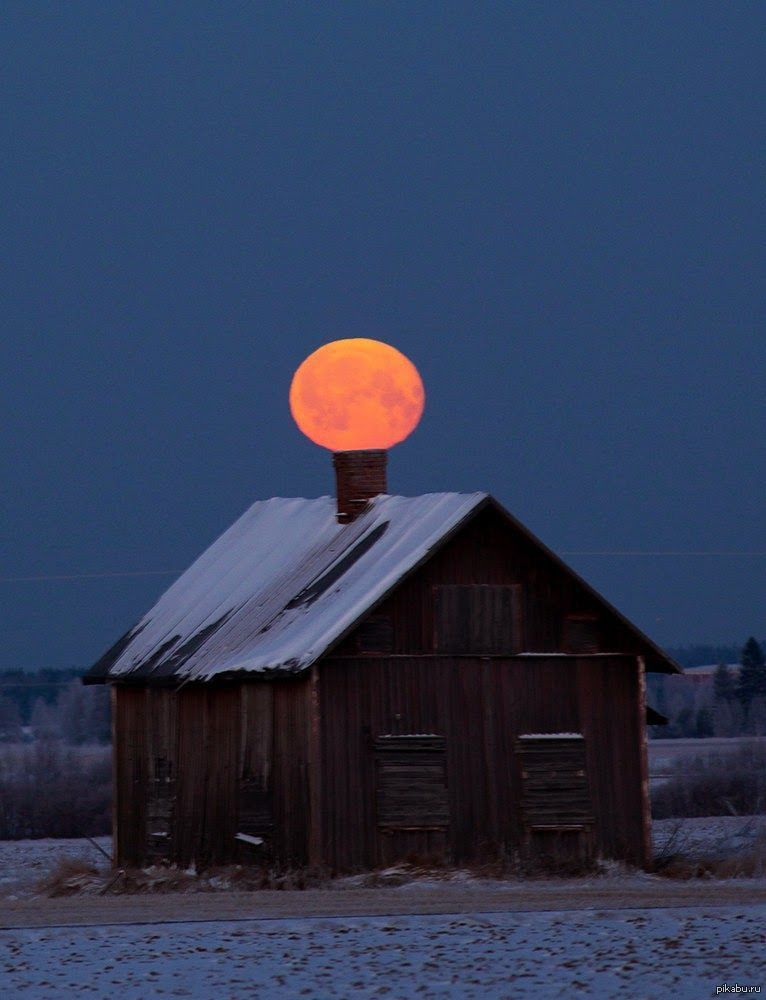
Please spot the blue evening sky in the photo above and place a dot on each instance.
(555, 209)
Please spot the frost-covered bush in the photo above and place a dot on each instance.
(48, 789)
(733, 784)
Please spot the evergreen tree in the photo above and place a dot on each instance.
(684, 723)
(723, 722)
(756, 717)
(728, 718)
(704, 726)
(752, 674)
(724, 684)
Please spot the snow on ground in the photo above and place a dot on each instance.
(634, 954)
(599, 953)
(24, 862)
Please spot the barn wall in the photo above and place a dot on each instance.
(291, 771)
(489, 550)
(197, 766)
(480, 706)
(130, 778)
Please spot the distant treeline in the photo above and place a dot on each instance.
(52, 704)
(731, 701)
(700, 655)
(24, 688)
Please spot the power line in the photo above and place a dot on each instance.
(666, 552)
(619, 553)
(89, 576)
(39, 684)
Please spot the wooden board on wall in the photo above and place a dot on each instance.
(256, 807)
(130, 769)
(292, 701)
(220, 825)
(192, 785)
(411, 782)
(162, 768)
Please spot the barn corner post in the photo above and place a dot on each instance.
(115, 774)
(315, 772)
(646, 805)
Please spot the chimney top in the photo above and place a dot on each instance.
(359, 476)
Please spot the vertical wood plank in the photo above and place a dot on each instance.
(117, 789)
(646, 811)
(193, 740)
(315, 770)
(291, 771)
(131, 775)
(255, 804)
(219, 827)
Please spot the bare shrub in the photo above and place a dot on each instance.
(731, 785)
(749, 863)
(48, 789)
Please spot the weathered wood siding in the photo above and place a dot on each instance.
(130, 757)
(197, 766)
(480, 705)
(490, 551)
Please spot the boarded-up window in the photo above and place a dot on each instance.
(159, 807)
(477, 619)
(411, 782)
(581, 634)
(554, 784)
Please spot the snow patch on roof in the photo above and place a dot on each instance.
(284, 583)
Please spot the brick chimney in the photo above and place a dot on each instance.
(359, 476)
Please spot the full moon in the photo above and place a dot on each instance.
(357, 394)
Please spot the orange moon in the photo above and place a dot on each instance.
(357, 394)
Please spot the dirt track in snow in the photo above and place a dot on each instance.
(608, 894)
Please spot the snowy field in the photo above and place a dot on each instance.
(23, 863)
(634, 954)
(666, 755)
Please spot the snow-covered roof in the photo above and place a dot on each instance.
(282, 585)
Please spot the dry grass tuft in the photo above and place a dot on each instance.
(70, 878)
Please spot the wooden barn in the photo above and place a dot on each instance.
(345, 682)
